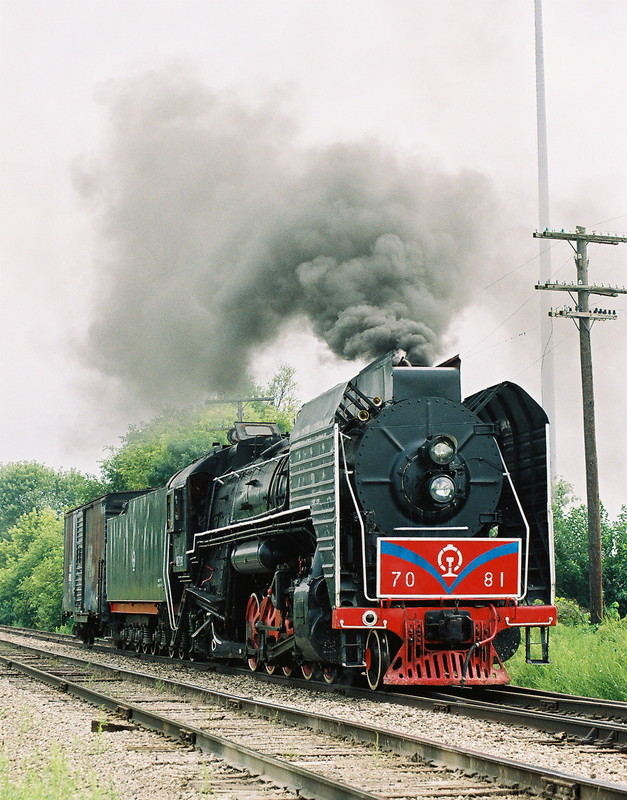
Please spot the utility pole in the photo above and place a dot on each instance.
(584, 318)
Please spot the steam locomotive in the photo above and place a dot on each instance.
(398, 534)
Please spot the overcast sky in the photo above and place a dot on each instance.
(444, 91)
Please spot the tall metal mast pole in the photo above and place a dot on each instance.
(547, 366)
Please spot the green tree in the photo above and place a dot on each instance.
(31, 571)
(150, 453)
(283, 387)
(28, 485)
(615, 564)
(570, 522)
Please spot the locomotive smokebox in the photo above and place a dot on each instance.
(429, 460)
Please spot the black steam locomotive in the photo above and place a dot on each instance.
(398, 533)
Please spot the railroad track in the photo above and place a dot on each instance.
(599, 722)
(590, 720)
(325, 762)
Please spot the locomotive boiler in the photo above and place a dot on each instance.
(399, 533)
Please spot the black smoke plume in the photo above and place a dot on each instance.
(218, 228)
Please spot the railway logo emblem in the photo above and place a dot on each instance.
(450, 561)
(431, 567)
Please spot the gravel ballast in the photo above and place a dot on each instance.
(516, 743)
(47, 736)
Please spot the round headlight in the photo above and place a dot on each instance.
(442, 450)
(442, 489)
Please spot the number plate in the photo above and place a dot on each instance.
(448, 568)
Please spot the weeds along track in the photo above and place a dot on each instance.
(319, 755)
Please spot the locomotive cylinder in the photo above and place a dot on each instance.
(256, 557)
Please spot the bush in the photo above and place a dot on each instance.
(586, 660)
(569, 612)
(570, 520)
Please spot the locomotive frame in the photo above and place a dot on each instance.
(283, 553)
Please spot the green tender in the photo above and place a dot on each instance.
(135, 550)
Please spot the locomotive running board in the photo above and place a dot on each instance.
(290, 521)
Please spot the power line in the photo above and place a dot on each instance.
(520, 307)
(498, 327)
(511, 272)
(518, 335)
(557, 344)
(603, 221)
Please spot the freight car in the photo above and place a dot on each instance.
(398, 533)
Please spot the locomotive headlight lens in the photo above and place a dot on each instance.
(442, 489)
(442, 450)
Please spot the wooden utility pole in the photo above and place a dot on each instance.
(584, 317)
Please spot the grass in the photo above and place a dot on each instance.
(67, 627)
(586, 660)
(51, 780)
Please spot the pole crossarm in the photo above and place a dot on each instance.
(606, 291)
(573, 313)
(580, 235)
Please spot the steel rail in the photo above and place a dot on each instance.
(507, 771)
(518, 695)
(521, 697)
(592, 729)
